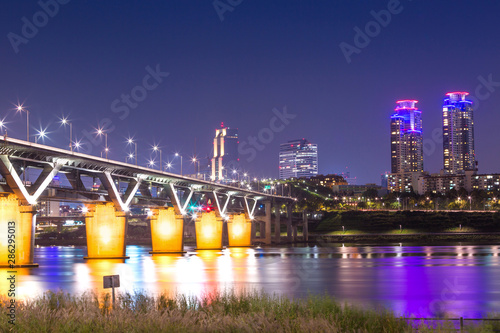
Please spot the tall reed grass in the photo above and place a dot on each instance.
(218, 312)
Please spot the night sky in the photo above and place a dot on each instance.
(262, 56)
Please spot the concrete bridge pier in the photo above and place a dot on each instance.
(17, 233)
(208, 231)
(106, 228)
(167, 231)
(239, 229)
(289, 226)
(267, 222)
(277, 223)
(305, 227)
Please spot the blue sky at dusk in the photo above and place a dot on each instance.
(263, 55)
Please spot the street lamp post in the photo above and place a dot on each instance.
(197, 170)
(101, 132)
(470, 203)
(21, 109)
(65, 122)
(156, 148)
(179, 155)
(131, 141)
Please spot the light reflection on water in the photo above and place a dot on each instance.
(421, 280)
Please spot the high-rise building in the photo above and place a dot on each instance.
(225, 158)
(458, 134)
(406, 138)
(298, 158)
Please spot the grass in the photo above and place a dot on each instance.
(221, 312)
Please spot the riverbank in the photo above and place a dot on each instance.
(415, 238)
(221, 312)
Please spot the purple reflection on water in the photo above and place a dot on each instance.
(413, 280)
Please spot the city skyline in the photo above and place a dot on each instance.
(248, 74)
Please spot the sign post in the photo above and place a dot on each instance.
(111, 281)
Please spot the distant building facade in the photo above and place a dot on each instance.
(458, 134)
(298, 159)
(328, 180)
(225, 157)
(357, 190)
(469, 181)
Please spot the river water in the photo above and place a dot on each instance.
(458, 280)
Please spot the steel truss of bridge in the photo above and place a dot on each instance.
(109, 189)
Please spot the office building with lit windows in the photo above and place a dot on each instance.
(458, 134)
(298, 159)
(225, 157)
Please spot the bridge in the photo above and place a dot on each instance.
(109, 190)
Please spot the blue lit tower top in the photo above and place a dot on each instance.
(458, 133)
(406, 138)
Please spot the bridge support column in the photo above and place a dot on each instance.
(239, 230)
(167, 231)
(17, 233)
(305, 227)
(106, 230)
(208, 232)
(267, 239)
(289, 231)
(277, 223)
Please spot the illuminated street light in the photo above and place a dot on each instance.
(21, 109)
(77, 145)
(197, 170)
(64, 122)
(2, 126)
(131, 141)
(42, 134)
(155, 149)
(100, 132)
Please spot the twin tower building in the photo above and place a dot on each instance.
(407, 144)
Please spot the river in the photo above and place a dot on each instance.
(458, 280)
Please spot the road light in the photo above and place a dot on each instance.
(155, 149)
(21, 109)
(131, 141)
(179, 155)
(470, 202)
(100, 132)
(169, 165)
(151, 163)
(64, 122)
(194, 160)
(41, 134)
(77, 145)
(2, 126)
